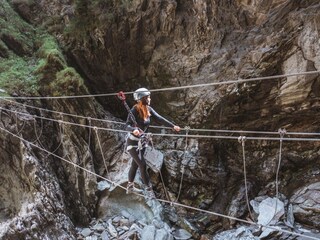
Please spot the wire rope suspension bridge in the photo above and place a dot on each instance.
(312, 137)
(161, 200)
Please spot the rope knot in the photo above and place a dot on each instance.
(187, 128)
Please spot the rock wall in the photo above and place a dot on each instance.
(31, 197)
(123, 45)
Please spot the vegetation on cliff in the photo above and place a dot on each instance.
(31, 62)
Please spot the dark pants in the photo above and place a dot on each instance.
(138, 161)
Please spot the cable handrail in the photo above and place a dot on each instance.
(166, 134)
(170, 88)
(163, 127)
(64, 113)
(66, 122)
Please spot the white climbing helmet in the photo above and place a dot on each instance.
(140, 93)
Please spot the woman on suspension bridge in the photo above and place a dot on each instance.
(138, 122)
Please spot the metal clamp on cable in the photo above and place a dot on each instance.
(242, 139)
(282, 132)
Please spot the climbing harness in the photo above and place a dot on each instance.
(187, 128)
(242, 140)
(153, 157)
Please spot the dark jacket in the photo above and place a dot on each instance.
(144, 124)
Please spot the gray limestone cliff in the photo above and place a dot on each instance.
(56, 48)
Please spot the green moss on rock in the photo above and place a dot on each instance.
(31, 60)
(16, 46)
(68, 82)
(4, 51)
(14, 32)
(16, 75)
(50, 61)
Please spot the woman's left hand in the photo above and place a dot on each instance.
(176, 128)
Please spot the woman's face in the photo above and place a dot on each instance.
(146, 100)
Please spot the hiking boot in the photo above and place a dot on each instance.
(132, 189)
(149, 194)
